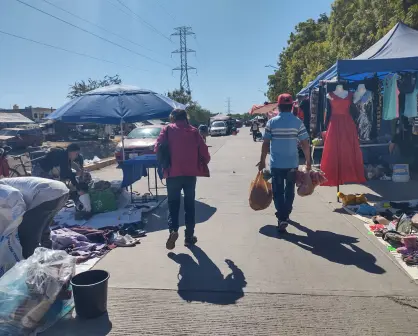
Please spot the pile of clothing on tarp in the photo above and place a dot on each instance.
(82, 243)
(30, 288)
(357, 203)
(85, 243)
(399, 228)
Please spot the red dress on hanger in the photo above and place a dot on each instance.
(342, 160)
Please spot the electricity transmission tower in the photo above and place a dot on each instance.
(183, 32)
(228, 101)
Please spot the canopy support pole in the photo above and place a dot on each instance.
(123, 142)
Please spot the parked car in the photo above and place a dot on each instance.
(218, 128)
(239, 123)
(84, 132)
(21, 138)
(139, 141)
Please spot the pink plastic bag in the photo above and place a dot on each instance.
(318, 177)
(306, 181)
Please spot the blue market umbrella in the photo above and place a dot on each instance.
(116, 104)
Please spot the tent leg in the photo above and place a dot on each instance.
(338, 190)
(123, 142)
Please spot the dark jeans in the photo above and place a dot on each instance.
(174, 187)
(35, 227)
(283, 191)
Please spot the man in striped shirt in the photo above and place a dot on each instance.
(281, 137)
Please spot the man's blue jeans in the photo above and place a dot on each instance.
(283, 191)
(174, 187)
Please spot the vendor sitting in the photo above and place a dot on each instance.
(58, 163)
(43, 199)
(402, 148)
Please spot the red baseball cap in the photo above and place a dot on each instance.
(285, 98)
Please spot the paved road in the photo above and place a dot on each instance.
(326, 277)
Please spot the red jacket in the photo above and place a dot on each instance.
(188, 152)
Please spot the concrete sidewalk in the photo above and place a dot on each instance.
(325, 277)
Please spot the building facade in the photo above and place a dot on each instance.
(36, 114)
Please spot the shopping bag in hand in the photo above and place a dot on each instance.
(261, 193)
(304, 183)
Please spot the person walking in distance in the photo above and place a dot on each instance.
(281, 138)
(255, 129)
(189, 158)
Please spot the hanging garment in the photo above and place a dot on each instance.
(406, 82)
(342, 160)
(415, 126)
(379, 107)
(390, 98)
(411, 106)
(365, 116)
(314, 99)
(305, 105)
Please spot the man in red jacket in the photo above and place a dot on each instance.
(189, 158)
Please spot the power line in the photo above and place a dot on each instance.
(91, 33)
(67, 50)
(143, 21)
(130, 13)
(165, 10)
(96, 25)
(183, 32)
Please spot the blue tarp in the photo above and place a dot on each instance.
(115, 104)
(397, 51)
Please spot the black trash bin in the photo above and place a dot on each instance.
(90, 293)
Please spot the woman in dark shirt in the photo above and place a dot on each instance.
(60, 160)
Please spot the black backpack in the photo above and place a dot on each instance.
(163, 152)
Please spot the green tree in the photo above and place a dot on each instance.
(352, 27)
(180, 96)
(295, 58)
(81, 87)
(197, 114)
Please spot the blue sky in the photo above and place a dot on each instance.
(235, 39)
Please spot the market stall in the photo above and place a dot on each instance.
(119, 104)
(268, 109)
(394, 224)
(33, 295)
(359, 106)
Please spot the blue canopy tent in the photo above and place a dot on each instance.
(116, 104)
(397, 51)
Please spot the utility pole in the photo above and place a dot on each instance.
(183, 32)
(228, 101)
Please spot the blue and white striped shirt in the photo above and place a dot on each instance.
(284, 132)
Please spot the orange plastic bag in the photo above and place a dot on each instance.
(261, 193)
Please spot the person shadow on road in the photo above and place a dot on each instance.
(332, 246)
(203, 281)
